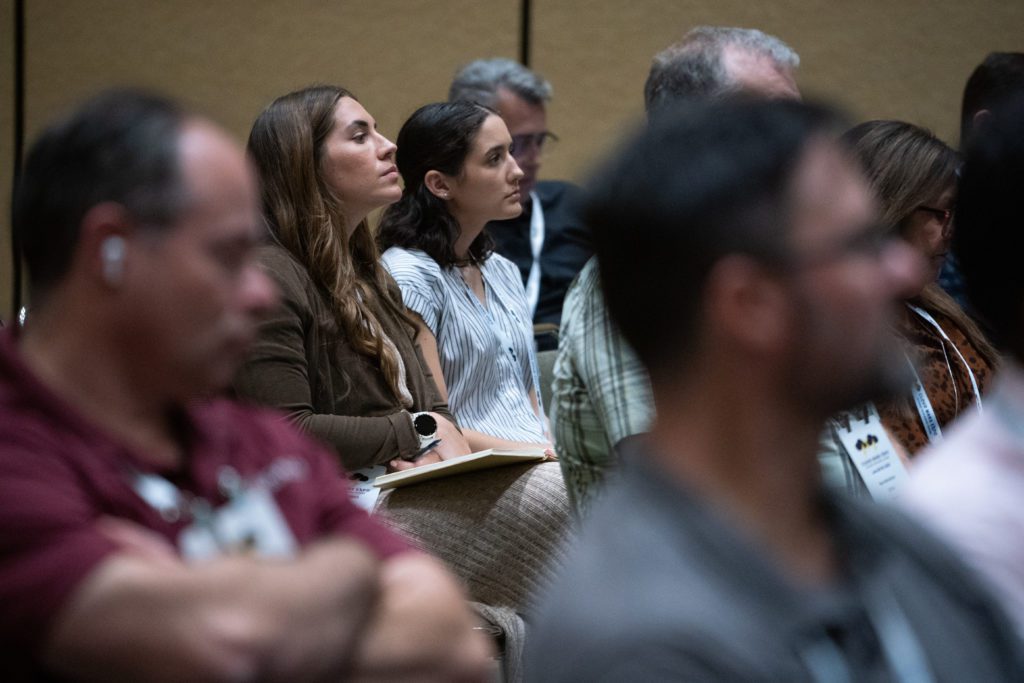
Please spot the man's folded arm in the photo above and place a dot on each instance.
(234, 618)
(422, 628)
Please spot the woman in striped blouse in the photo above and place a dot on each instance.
(475, 327)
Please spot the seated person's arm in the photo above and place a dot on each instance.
(628, 443)
(102, 597)
(331, 614)
(421, 627)
(277, 374)
(345, 605)
(137, 617)
(602, 394)
(544, 420)
(616, 381)
(478, 441)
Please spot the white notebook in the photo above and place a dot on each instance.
(481, 460)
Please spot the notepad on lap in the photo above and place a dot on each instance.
(481, 460)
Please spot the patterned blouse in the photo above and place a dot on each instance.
(486, 351)
(943, 374)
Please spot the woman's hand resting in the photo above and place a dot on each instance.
(452, 445)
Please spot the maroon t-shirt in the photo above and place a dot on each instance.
(59, 473)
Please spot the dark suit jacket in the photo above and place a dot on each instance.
(566, 249)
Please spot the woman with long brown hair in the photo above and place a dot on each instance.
(339, 355)
(913, 175)
(949, 361)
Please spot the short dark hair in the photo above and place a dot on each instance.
(998, 79)
(437, 137)
(119, 146)
(707, 180)
(988, 225)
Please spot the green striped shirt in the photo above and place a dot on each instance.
(601, 393)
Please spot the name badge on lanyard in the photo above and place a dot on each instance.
(361, 490)
(873, 454)
(250, 523)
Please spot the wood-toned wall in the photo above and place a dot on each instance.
(904, 59)
(229, 58)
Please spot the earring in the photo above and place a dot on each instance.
(112, 255)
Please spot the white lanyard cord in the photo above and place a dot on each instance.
(536, 245)
(970, 373)
(924, 407)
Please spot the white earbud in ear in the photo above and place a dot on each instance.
(112, 255)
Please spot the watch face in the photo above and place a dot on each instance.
(425, 425)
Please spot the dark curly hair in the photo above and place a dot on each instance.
(437, 137)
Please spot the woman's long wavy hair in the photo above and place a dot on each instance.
(908, 166)
(306, 217)
(436, 137)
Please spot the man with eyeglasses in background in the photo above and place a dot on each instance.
(548, 240)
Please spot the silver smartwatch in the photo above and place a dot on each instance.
(425, 426)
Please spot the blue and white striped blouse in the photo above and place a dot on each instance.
(486, 353)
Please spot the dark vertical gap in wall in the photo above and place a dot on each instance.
(19, 137)
(524, 33)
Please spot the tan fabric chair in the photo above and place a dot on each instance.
(500, 531)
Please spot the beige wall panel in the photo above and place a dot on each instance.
(6, 149)
(231, 57)
(879, 58)
(904, 59)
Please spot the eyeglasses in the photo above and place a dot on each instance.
(542, 140)
(944, 216)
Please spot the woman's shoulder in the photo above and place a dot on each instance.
(391, 287)
(938, 324)
(284, 268)
(403, 263)
(273, 254)
(498, 264)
